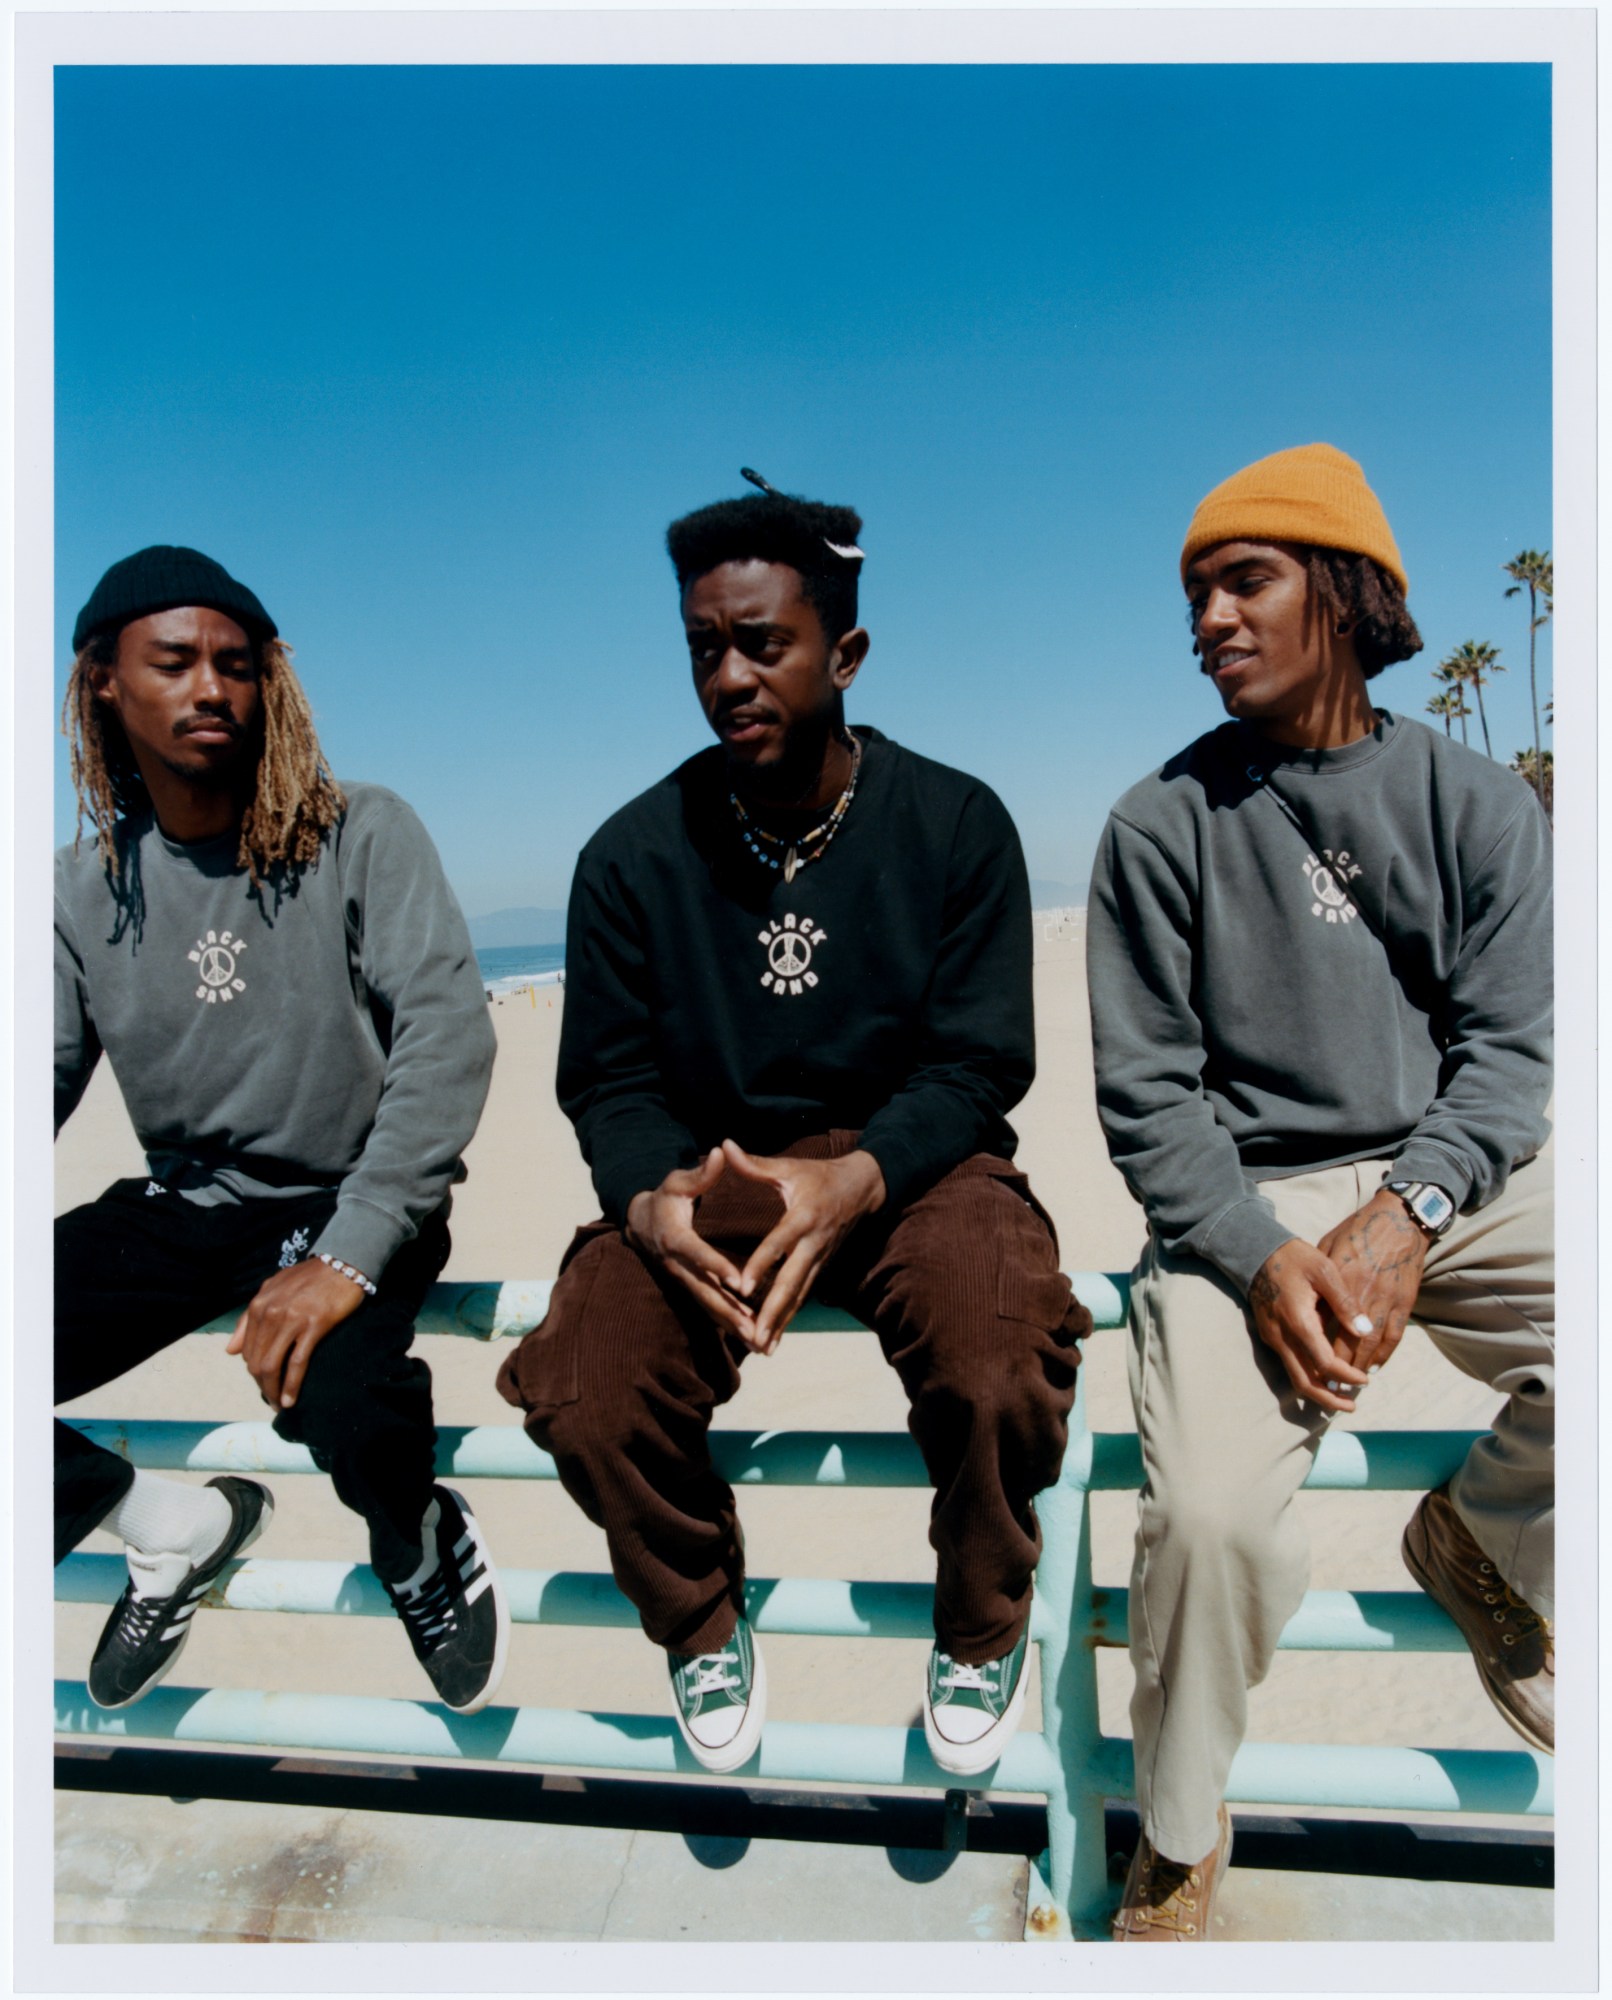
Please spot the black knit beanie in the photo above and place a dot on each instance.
(159, 578)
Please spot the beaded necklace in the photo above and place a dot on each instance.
(754, 835)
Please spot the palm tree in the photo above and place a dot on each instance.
(1534, 572)
(1473, 662)
(1454, 693)
(1524, 763)
(1451, 702)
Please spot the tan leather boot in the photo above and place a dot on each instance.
(1513, 1646)
(1170, 1902)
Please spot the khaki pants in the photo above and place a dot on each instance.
(1222, 1560)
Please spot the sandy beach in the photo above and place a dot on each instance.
(527, 1189)
(145, 1869)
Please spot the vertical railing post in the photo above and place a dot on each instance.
(1069, 1892)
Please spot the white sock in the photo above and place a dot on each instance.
(169, 1527)
(428, 1551)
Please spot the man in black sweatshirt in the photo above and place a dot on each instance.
(1320, 962)
(797, 1013)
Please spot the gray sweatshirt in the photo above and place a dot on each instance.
(1303, 958)
(332, 1033)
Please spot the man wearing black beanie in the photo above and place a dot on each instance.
(282, 981)
(797, 1013)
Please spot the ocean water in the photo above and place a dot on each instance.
(506, 968)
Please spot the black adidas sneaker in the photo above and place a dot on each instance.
(457, 1619)
(147, 1631)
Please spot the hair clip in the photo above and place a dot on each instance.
(847, 552)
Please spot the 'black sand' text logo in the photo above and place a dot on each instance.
(215, 959)
(790, 946)
(1325, 877)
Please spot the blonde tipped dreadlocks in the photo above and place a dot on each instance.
(296, 800)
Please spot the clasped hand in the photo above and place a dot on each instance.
(289, 1315)
(823, 1200)
(1334, 1311)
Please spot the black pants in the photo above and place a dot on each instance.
(141, 1267)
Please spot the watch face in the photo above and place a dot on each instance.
(1432, 1207)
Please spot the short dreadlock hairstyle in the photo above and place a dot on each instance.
(1360, 593)
(295, 800)
(778, 528)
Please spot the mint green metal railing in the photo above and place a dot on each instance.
(1070, 1762)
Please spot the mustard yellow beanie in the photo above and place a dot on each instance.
(1313, 493)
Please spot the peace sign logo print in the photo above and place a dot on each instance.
(216, 957)
(790, 946)
(1326, 877)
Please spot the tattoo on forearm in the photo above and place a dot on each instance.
(1262, 1292)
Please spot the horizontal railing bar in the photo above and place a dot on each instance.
(1328, 1621)
(1392, 1780)
(488, 1311)
(1372, 1777)
(1348, 1461)
(1414, 1780)
(820, 1607)
(503, 1451)
(801, 1752)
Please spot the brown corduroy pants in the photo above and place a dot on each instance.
(963, 1289)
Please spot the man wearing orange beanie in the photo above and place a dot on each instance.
(1320, 962)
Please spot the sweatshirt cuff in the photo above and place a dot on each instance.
(1427, 1160)
(618, 1185)
(906, 1175)
(362, 1235)
(1242, 1238)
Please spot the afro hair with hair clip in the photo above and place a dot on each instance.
(811, 537)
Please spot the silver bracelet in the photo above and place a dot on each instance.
(364, 1284)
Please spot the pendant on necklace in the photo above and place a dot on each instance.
(789, 865)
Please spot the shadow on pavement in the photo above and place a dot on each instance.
(718, 1820)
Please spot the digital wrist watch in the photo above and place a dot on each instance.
(1429, 1204)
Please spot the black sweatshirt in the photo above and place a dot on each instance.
(886, 990)
(1302, 958)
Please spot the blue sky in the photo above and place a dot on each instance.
(430, 356)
